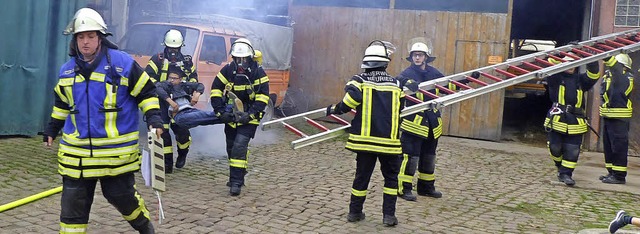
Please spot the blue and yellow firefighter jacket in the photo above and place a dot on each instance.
(566, 91)
(377, 98)
(616, 90)
(250, 85)
(158, 68)
(419, 124)
(96, 105)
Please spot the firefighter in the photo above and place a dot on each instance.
(248, 81)
(180, 96)
(377, 98)
(420, 132)
(96, 100)
(566, 121)
(157, 68)
(616, 113)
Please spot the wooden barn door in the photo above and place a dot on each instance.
(480, 117)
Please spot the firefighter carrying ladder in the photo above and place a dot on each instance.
(492, 78)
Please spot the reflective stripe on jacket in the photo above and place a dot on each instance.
(616, 91)
(100, 133)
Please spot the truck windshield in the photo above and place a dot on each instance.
(147, 39)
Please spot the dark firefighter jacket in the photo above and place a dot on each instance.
(616, 90)
(158, 67)
(250, 85)
(377, 98)
(420, 123)
(96, 106)
(566, 91)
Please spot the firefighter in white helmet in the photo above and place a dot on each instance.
(158, 68)
(616, 112)
(376, 96)
(96, 106)
(245, 78)
(421, 131)
(566, 121)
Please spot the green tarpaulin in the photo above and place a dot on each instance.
(32, 49)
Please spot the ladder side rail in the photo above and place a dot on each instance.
(548, 71)
(323, 136)
(299, 118)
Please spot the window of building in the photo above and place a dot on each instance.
(627, 13)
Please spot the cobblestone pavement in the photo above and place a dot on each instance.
(488, 187)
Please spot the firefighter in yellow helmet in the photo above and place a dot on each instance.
(374, 135)
(566, 120)
(247, 81)
(616, 113)
(158, 70)
(97, 98)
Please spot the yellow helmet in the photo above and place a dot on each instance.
(258, 57)
(624, 59)
(85, 20)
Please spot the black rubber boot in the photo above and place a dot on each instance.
(407, 195)
(235, 190)
(147, 229)
(428, 188)
(182, 159)
(613, 180)
(566, 179)
(355, 217)
(389, 220)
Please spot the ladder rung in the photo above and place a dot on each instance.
(446, 90)
(431, 95)
(544, 62)
(316, 124)
(491, 76)
(625, 41)
(519, 69)
(294, 130)
(604, 46)
(461, 85)
(557, 58)
(580, 52)
(531, 65)
(503, 72)
(474, 80)
(340, 120)
(413, 99)
(594, 49)
(570, 55)
(613, 43)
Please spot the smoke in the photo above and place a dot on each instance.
(209, 141)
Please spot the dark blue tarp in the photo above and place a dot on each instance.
(32, 49)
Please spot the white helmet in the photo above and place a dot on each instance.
(421, 47)
(86, 19)
(624, 59)
(173, 38)
(377, 54)
(242, 48)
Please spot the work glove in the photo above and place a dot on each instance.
(226, 117)
(244, 118)
(330, 109)
(475, 74)
(412, 85)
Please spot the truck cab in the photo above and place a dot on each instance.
(209, 48)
